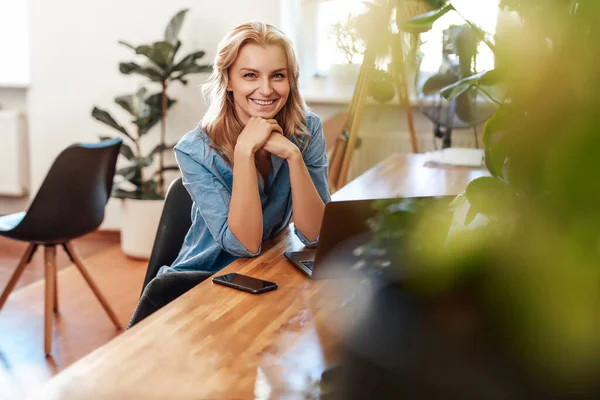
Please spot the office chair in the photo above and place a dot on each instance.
(70, 203)
(175, 221)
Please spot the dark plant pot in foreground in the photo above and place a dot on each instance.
(403, 346)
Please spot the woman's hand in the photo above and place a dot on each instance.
(279, 145)
(256, 133)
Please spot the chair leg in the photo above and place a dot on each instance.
(25, 258)
(88, 278)
(50, 258)
(56, 290)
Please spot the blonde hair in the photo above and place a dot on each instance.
(220, 122)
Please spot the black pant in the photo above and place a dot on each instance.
(163, 289)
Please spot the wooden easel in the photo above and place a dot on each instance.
(342, 155)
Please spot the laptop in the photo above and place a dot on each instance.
(345, 227)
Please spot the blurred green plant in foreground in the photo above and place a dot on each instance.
(524, 242)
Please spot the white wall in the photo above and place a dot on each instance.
(14, 36)
(74, 66)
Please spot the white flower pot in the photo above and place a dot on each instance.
(140, 223)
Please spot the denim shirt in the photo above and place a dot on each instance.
(209, 244)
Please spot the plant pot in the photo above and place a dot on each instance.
(140, 223)
(399, 348)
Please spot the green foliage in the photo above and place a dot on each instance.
(145, 112)
(161, 64)
(459, 83)
(423, 22)
(525, 240)
(346, 38)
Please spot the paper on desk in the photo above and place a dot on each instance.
(457, 156)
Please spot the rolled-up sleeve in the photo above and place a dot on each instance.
(212, 199)
(315, 159)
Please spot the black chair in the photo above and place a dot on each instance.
(175, 221)
(69, 204)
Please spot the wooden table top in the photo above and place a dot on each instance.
(215, 342)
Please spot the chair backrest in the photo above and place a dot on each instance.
(72, 198)
(333, 128)
(174, 225)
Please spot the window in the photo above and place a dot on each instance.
(14, 43)
(329, 13)
(484, 13)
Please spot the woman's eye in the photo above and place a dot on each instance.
(279, 76)
(250, 75)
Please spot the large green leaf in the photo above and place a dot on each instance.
(132, 172)
(128, 173)
(456, 89)
(128, 68)
(167, 168)
(423, 22)
(126, 103)
(107, 119)
(146, 123)
(483, 78)
(162, 54)
(144, 161)
(155, 101)
(488, 195)
(148, 120)
(188, 60)
(134, 104)
(159, 148)
(495, 141)
(176, 49)
(127, 152)
(174, 27)
(195, 69)
(437, 82)
(491, 78)
(132, 47)
(144, 50)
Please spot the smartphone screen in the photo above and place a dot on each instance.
(244, 282)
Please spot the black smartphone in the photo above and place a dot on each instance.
(245, 283)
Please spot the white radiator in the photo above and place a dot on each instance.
(14, 165)
(376, 148)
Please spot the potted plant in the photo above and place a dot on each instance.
(497, 295)
(350, 45)
(141, 183)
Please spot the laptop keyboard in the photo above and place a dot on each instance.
(308, 264)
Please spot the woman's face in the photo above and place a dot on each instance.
(259, 81)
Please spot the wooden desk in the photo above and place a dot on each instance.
(215, 342)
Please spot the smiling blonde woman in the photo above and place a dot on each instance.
(256, 161)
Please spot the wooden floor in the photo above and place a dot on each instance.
(11, 251)
(81, 324)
